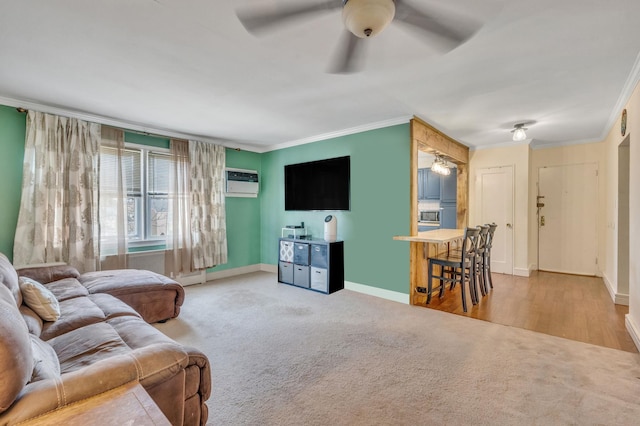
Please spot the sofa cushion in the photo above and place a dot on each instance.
(86, 345)
(154, 296)
(67, 288)
(33, 320)
(40, 299)
(9, 278)
(16, 362)
(46, 274)
(74, 313)
(45, 360)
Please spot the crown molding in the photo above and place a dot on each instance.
(125, 125)
(501, 145)
(627, 90)
(537, 145)
(141, 128)
(339, 133)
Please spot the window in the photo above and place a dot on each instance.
(147, 175)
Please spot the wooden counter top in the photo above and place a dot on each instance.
(437, 236)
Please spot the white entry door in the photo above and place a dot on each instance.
(567, 235)
(494, 195)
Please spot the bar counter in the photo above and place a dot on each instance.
(428, 244)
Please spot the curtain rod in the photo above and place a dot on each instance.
(140, 132)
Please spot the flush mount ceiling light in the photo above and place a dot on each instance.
(519, 132)
(366, 18)
(440, 166)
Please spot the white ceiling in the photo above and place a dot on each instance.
(190, 67)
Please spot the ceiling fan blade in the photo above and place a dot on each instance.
(348, 57)
(450, 29)
(258, 20)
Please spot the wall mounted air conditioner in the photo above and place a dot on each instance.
(241, 183)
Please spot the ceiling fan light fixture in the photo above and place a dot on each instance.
(367, 18)
(519, 133)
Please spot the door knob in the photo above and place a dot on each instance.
(509, 226)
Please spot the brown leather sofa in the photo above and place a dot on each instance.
(97, 344)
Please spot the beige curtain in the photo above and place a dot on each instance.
(178, 254)
(113, 200)
(208, 215)
(58, 219)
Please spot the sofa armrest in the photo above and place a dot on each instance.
(199, 359)
(41, 397)
(48, 273)
(149, 365)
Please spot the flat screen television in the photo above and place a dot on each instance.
(318, 185)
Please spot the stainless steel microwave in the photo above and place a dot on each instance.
(430, 216)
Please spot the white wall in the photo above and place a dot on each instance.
(612, 142)
(518, 157)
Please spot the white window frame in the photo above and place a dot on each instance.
(143, 221)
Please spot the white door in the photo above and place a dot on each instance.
(567, 236)
(494, 195)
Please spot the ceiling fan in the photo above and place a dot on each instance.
(364, 19)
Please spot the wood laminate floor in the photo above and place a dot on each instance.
(570, 306)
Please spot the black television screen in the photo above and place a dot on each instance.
(318, 185)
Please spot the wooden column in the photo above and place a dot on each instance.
(425, 137)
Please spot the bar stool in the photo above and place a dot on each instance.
(486, 259)
(461, 268)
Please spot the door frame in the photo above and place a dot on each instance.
(478, 203)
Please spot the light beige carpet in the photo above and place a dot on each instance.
(287, 356)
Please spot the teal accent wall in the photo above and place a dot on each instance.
(380, 186)
(12, 133)
(379, 200)
(243, 217)
(243, 214)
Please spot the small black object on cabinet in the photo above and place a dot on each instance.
(313, 264)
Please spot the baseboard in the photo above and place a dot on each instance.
(199, 277)
(269, 268)
(609, 286)
(621, 299)
(632, 328)
(618, 299)
(377, 292)
(216, 275)
(521, 272)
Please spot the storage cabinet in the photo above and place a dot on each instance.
(449, 187)
(422, 184)
(432, 191)
(448, 216)
(428, 185)
(314, 264)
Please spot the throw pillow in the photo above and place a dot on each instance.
(45, 360)
(40, 299)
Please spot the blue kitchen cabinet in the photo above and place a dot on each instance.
(448, 216)
(449, 187)
(422, 184)
(423, 228)
(432, 187)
